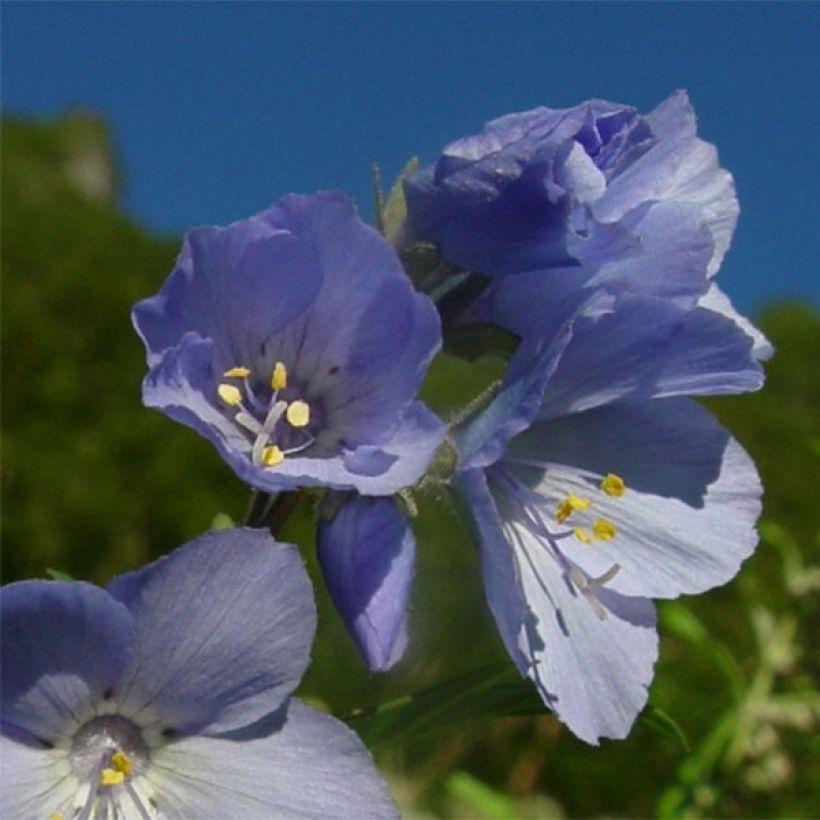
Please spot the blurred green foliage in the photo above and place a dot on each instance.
(94, 484)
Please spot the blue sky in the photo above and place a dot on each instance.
(220, 108)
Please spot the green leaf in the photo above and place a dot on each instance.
(493, 691)
(659, 721)
(58, 575)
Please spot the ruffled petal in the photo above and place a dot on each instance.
(646, 348)
(592, 666)
(715, 299)
(301, 764)
(686, 520)
(224, 629)
(65, 647)
(34, 782)
(679, 168)
(367, 554)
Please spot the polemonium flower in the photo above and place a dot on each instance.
(167, 695)
(596, 484)
(543, 188)
(295, 343)
(595, 196)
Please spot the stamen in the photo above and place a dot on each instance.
(238, 372)
(587, 586)
(613, 485)
(271, 456)
(279, 377)
(120, 761)
(111, 777)
(570, 503)
(229, 394)
(248, 422)
(603, 529)
(298, 413)
(582, 535)
(300, 447)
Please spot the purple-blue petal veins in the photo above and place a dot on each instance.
(294, 342)
(167, 694)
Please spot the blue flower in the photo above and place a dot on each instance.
(596, 485)
(167, 694)
(295, 343)
(591, 197)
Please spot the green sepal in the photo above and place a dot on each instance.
(58, 575)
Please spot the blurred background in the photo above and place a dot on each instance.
(124, 124)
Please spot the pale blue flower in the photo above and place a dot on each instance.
(167, 695)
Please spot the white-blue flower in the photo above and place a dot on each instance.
(167, 695)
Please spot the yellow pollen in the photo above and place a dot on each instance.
(120, 761)
(613, 485)
(111, 777)
(298, 413)
(603, 528)
(55, 816)
(570, 503)
(229, 394)
(237, 373)
(271, 456)
(279, 377)
(582, 535)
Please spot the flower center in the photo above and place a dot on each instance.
(276, 419)
(106, 755)
(533, 510)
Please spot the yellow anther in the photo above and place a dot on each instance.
(570, 503)
(237, 373)
(298, 413)
(229, 394)
(582, 535)
(111, 777)
(603, 529)
(279, 377)
(271, 456)
(120, 761)
(613, 485)
(55, 815)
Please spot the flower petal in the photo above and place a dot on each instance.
(399, 462)
(680, 168)
(593, 673)
(646, 348)
(65, 646)
(224, 628)
(715, 299)
(235, 285)
(367, 554)
(306, 765)
(34, 782)
(482, 440)
(686, 520)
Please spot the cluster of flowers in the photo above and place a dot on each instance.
(296, 342)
